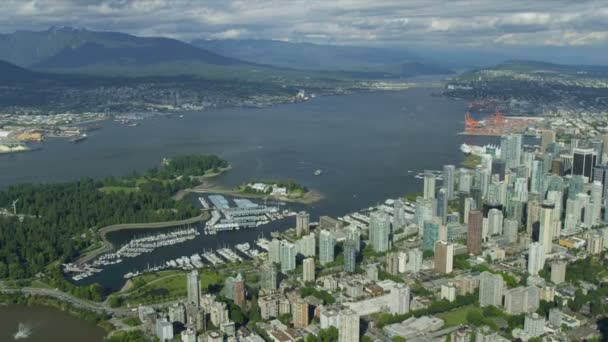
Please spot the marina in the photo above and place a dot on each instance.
(245, 214)
(134, 248)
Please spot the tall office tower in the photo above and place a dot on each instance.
(400, 299)
(350, 256)
(536, 177)
(547, 137)
(399, 215)
(269, 276)
(327, 244)
(516, 211)
(557, 197)
(485, 178)
(557, 167)
(194, 289)
(521, 190)
(575, 186)
(572, 217)
(495, 218)
(308, 270)
(288, 256)
(442, 205)
(448, 180)
(444, 257)
(596, 203)
(558, 272)
(536, 258)
(584, 159)
(431, 234)
(600, 174)
(349, 326)
(307, 245)
(429, 185)
(545, 234)
(302, 223)
(299, 311)
(465, 181)
(474, 230)
(510, 150)
(486, 162)
(469, 205)
(533, 216)
(379, 231)
(274, 251)
(528, 159)
(414, 260)
(510, 228)
(353, 234)
(597, 146)
(584, 207)
(491, 287)
(424, 211)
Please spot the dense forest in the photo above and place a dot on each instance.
(56, 222)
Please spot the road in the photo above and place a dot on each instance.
(76, 302)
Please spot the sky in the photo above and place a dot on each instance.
(571, 26)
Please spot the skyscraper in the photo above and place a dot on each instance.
(558, 271)
(302, 223)
(353, 234)
(536, 177)
(299, 311)
(536, 258)
(194, 289)
(274, 251)
(546, 226)
(269, 276)
(307, 245)
(399, 215)
(442, 205)
(379, 231)
(431, 234)
(349, 326)
(288, 256)
(448, 180)
(444, 257)
(400, 299)
(510, 150)
(495, 218)
(584, 159)
(424, 211)
(235, 289)
(596, 203)
(429, 185)
(414, 260)
(474, 230)
(308, 270)
(491, 287)
(350, 256)
(327, 244)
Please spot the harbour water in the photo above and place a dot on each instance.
(42, 324)
(365, 144)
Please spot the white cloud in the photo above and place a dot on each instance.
(497, 23)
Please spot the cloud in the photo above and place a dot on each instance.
(400, 23)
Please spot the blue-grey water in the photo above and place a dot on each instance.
(364, 143)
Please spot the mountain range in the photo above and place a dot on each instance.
(81, 50)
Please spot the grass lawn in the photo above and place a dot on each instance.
(455, 317)
(166, 285)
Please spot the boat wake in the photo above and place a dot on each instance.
(24, 331)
